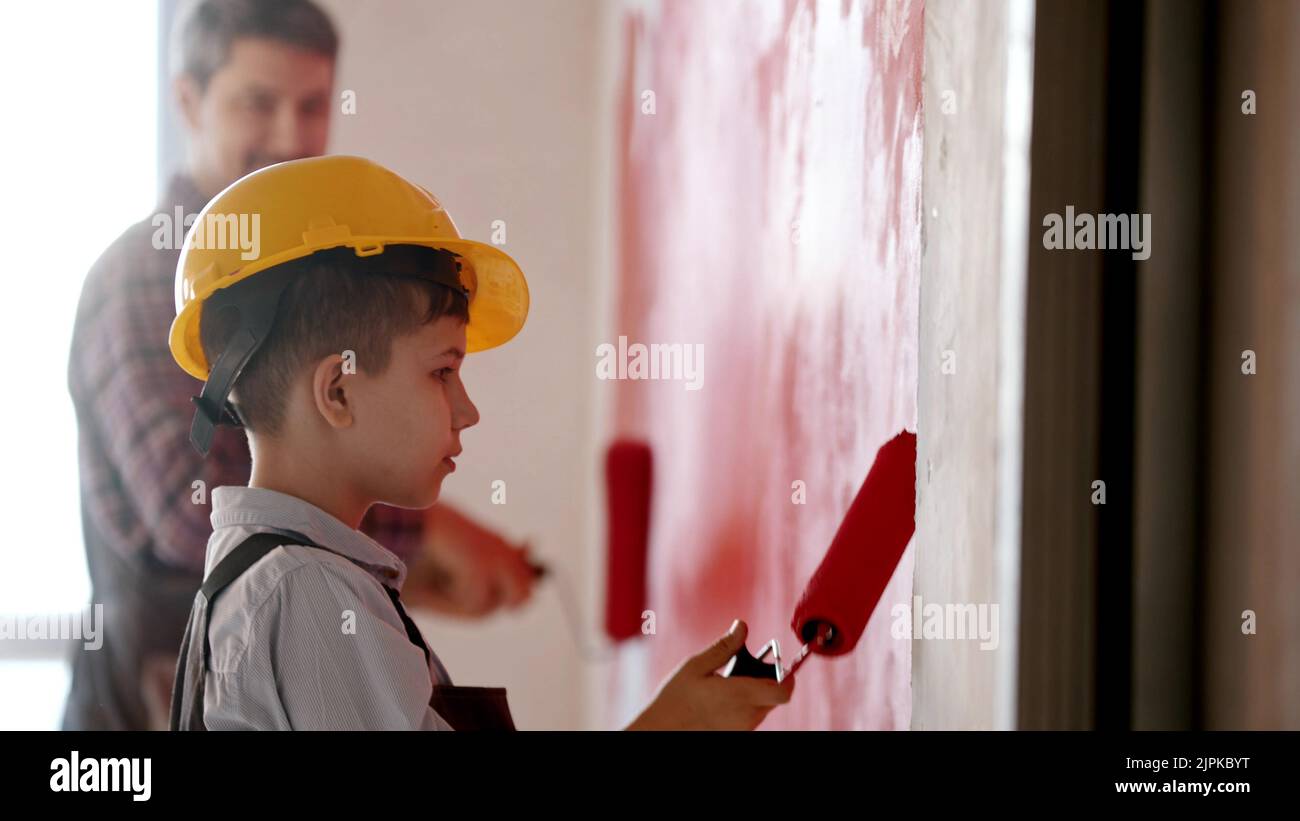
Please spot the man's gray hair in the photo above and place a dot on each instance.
(202, 39)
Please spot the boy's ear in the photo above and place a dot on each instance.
(331, 392)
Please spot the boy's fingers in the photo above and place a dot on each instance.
(720, 651)
(760, 692)
(787, 687)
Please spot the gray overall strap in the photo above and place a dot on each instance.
(233, 566)
(187, 689)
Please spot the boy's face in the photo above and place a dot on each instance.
(407, 420)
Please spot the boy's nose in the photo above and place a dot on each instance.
(466, 412)
(473, 414)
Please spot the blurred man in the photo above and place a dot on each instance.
(255, 87)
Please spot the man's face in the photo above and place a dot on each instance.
(269, 103)
(409, 418)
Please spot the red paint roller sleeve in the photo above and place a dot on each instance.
(867, 547)
(628, 476)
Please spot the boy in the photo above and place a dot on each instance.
(337, 344)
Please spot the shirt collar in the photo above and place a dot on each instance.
(255, 506)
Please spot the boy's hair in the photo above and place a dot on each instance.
(202, 39)
(336, 302)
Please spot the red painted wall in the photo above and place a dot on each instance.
(770, 211)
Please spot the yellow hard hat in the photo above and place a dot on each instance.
(293, 209)
(303, 206)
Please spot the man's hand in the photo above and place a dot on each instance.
(466, 570)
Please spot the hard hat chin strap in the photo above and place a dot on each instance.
(212, 406)
(257, 301)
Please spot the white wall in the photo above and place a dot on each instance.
(491, 106)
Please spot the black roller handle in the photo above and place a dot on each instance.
(744, 664)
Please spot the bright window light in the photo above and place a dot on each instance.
(79, 142)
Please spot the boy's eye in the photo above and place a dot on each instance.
(443, 373)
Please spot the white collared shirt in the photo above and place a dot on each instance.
(307, 639)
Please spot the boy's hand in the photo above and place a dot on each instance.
(695, 697)
(466, 570)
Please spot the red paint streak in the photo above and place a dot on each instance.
(765, 116)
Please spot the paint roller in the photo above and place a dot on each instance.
(628, 466)
(836, 605)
